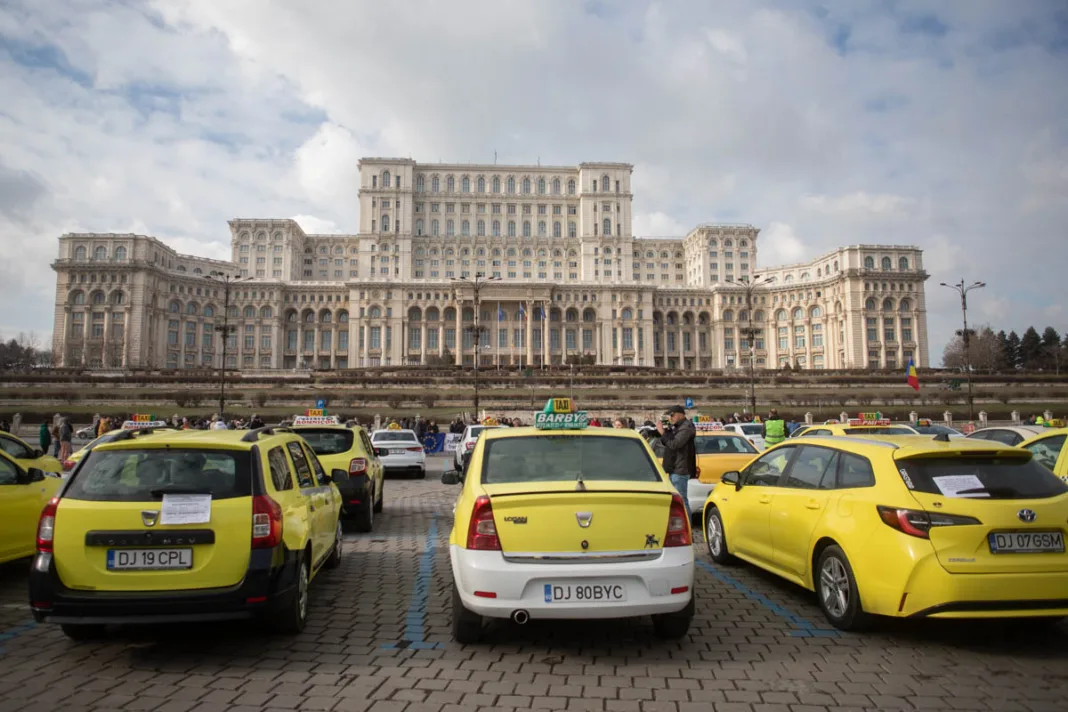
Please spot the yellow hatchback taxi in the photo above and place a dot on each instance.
(348, 450)
(1049, 451)
(23, 494)
(866, 424)
(29, 457)
(718, 451)
(901, 526)
(558, 521)
(171, 527)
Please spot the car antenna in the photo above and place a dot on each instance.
(580, 486)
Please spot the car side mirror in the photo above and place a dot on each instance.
(339, 475)
(38, 452)
(36, 474)
(732, 478)
(451, 477)
(326, 478)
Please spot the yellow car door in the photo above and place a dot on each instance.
(21, 499)
(1049, 451)
(747, 509)
(328, 503)
(26, 456)
(309, 491)
(800, 503)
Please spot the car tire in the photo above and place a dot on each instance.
(380, 502)
(364, 517)
(836, 589)
(422, 474)
(466, 625)
(334, 560)
(673, 626)
(80, 632)
(716, 539)
(294, 616)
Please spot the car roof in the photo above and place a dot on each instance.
(211, 439)
(1043, 434)
(527, 431)
(1026, 430)
(908, 446)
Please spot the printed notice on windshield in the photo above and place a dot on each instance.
(186, 509)
(960, 486)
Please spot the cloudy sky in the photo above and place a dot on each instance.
(937, 124)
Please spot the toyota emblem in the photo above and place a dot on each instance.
(1027, 515)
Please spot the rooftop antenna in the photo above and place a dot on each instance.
(494, 156)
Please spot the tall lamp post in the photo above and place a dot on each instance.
(226, 328)
(476, 285)
(749, 286)
(965, 336)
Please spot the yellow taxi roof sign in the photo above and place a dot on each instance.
(560, 414)
(559, 405)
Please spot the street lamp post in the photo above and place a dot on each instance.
(965, 336)
(226, 328)
(749, 286)
(476, 286)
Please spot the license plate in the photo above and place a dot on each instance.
(397, 452)
(149, 559)
(585, 592)
(1026, 542)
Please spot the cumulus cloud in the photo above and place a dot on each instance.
(918, 123)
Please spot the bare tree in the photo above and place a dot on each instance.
(984, 351)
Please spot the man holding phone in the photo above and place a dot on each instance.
(680, 451)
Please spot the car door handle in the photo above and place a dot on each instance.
(311, 506)
(813, 504)
(765, 499)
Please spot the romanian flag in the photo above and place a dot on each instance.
(913, 377)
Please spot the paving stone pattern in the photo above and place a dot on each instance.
(378, 640)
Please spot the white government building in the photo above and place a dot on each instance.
(568, 279)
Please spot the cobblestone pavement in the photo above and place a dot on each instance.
(378, 639)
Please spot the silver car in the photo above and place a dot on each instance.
(404, 453)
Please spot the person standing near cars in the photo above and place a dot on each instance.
(44, 436)
(66, 433)
(680, 451)
(774, 429)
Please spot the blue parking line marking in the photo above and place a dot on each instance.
(15, 631)
(414, 636)
(803, 628)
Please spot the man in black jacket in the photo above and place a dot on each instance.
(680, 451)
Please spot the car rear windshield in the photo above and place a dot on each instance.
(996, 478)
(554, 458)
(723, 445)
(751, 429)
(395, 436)
(146, 475)
(326, 441)
(936, 430)
(889, 430)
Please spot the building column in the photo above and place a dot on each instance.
(545, 337)
(365, 337)
(422, 343)
(125, 337)
(459, 355)
(529, 334)
(333, 348)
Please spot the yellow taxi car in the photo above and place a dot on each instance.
(160, 527)
(866, 424)
(558, 521)
(900, 526)
(23, 494)
(349, 450)
(718, 451)
(29, 457)
(1049, 451)
(76, 457)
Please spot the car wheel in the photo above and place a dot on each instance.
(672, 626)
(466, 626)
(836, 588)
(334, 559)
(292, 618)
(82, 632)
(381, 496)
(716, 539)
(364, 519)
(422, 474)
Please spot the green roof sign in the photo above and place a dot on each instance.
(560, 414)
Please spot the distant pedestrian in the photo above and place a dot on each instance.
(44, 436)
(66, 434)
(680, 451)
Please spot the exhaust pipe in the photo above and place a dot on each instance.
(520, 617)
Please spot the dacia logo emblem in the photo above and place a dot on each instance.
(1027, 515)
(584, 519)
(149, 518)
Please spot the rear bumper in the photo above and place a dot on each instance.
(935, 593)
(269, 585)
(521, 586)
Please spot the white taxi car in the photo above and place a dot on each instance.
(401, 451)
(559, 521)
(462, 454)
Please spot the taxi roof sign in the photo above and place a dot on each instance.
(142, 424)
(874, 421)
(704, 423)
(316, 420)
(560, 414)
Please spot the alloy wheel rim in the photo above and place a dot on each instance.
(834, 587)
(713, 536)
(302, 592)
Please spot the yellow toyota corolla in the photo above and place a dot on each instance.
(900, 526)
(1049, 451)
(560, 521)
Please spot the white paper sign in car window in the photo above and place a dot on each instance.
(186, 509)
(956, 485)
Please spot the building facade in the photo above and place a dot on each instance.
(564, 278)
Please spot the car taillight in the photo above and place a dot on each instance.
(678, 529)
(918, 523)
(266, 523)
(482, 532)
(414, 449)
(46, 526)
(470, 445)
(357, 466)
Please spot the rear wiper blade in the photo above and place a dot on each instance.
(160, 491)
(993, 491)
